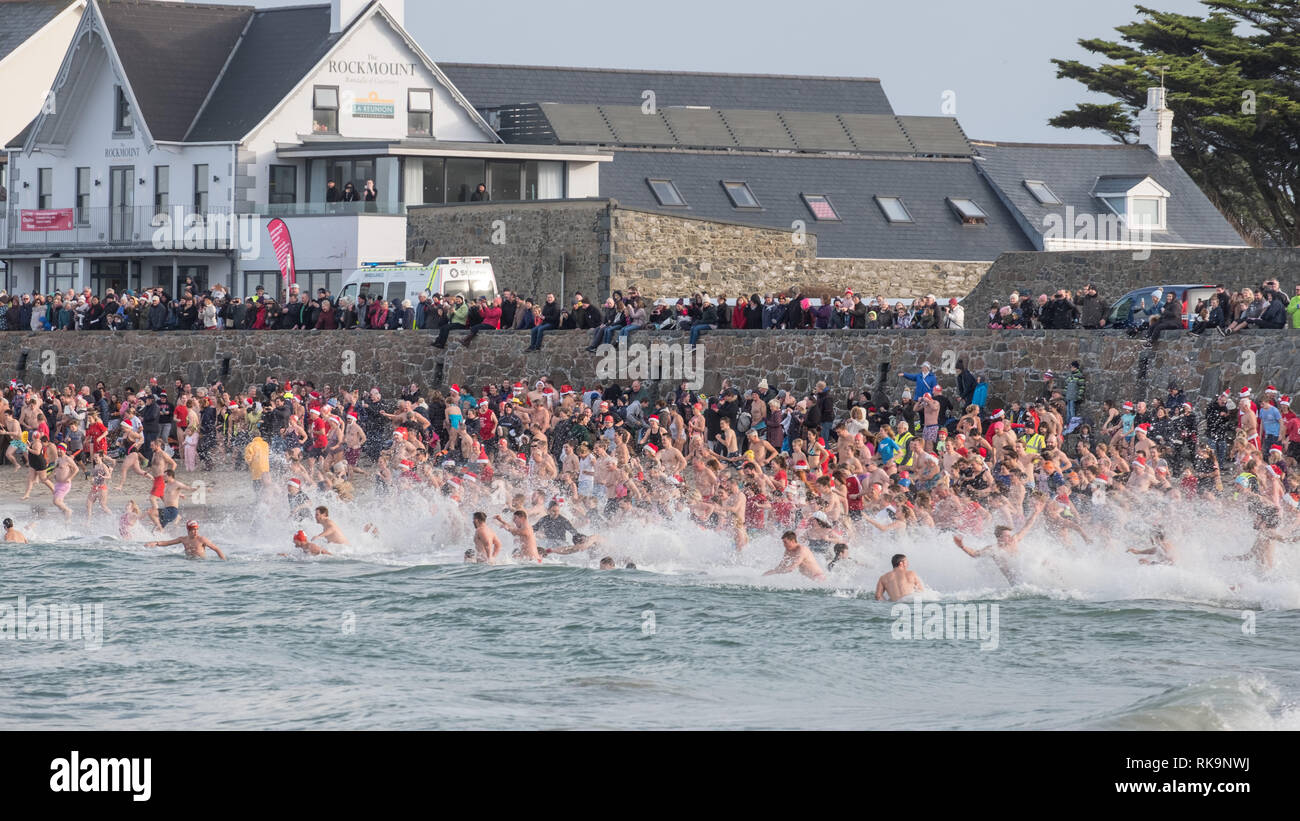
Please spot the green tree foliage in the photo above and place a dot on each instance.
(1233, 80)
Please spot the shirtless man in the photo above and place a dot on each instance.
(899, 582)
(1007, 545)
(194, 543)
(330, 531)
(64, 470)
(169, 509)
(797, 557)
(353, 438)
(523, 533)
(486, 542)
(301, 542)
(13, 534)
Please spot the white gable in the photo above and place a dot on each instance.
(374, 67)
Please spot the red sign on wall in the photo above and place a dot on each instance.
(47, 219)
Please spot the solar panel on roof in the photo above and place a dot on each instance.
(936, 135)
(699, 127)
(578, 123)
(817, 131)
(877, 132)
(757, 129)
(634, 126)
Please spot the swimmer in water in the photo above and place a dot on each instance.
(301, 542)
(194, 543)
(471, 557)
(1160, 551)
(607, 563)
(1007, 544)
(13, 534)
(486, 542)
(329, 530)
(899, 582)
(841, 559)
(797, 557)
(523, 533)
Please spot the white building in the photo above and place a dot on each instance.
(178, 130)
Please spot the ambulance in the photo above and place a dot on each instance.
(470, 277)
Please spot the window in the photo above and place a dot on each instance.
(419, 112)
(83, 196)
(741, 196)
(543, 180)
(121, 113)
(504, 180)
(325, 109)
(894, 209)
(464, 176)
(666, 192)
(44, 187)
(283, 185)
(201, 189)
(970, 213)
(161, 188)
(1145, 212)
(821, 207)
(1042, 193)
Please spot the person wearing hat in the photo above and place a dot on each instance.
(955, 317)
(193, 542)
(301, 542)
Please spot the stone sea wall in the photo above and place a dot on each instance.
(1011, 361)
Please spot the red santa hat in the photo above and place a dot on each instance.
(1128, 406)
(232, 406)
(997, 414)
(126, 423)
(1144, 427)
(650, 447)
(455, 389)
(676, 480)
(471, 476)
(523, 457)
(800, 465)
(314, 412)
(353, 415)
(1285, 400)
(296, 482)
(1277, 470)
(300, 536)
(1244, 393)
(1293, 499)
(1277, 448)
(483, 457)
(566, 390)
(408, 464)
(1141, 460)
(518, 387)
(1271, 389)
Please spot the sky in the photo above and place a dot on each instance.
(991, 58)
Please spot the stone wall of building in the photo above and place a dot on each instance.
(1011, 361)
(536, 247)
(1115, 273)
(603, 247)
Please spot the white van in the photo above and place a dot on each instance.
(470, 277)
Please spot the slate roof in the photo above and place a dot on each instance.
(279, 48)
(20, 19)
(1072, 171)
(494, 86)
(851, 184)
(172, 54)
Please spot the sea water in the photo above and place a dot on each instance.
(396, 632)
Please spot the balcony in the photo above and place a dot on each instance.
(332, 209)
(131, 227)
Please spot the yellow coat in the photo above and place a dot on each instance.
(258, 457)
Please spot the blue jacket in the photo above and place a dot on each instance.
(925, 382)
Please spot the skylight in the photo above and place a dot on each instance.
(970, 213)
(894, 209)
(666, 192)
(741, 196)
(821, 207)
(1044, 195)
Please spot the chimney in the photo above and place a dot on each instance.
(343, 11)
(1156, 124)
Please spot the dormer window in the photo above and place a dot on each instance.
(1140, 202)
(121, 113)
(1042, 193)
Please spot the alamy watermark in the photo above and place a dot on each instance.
(182, 230)
(658, 360)
(954, 621)
(53, 622)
